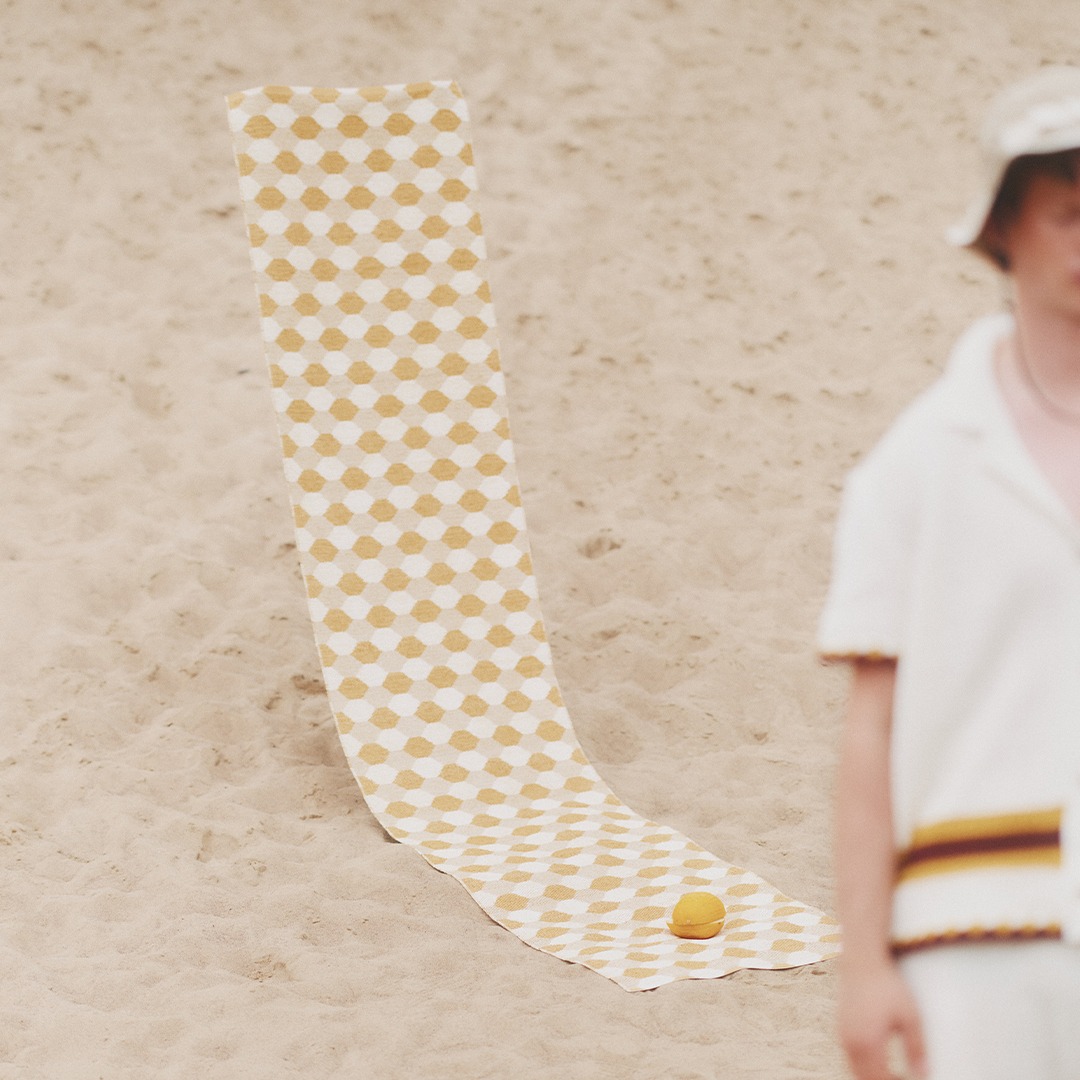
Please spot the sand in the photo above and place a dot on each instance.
(715, 249)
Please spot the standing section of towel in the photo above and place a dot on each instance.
(380, 335)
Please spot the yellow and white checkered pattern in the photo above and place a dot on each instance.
(380, 334)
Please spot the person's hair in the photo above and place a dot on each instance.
(1062, 165)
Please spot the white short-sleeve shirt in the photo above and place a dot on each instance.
(955, 555)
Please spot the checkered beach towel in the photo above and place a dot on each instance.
(379, 331)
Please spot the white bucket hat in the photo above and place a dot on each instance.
(1039, 115)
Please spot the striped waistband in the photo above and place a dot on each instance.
(1003, 840)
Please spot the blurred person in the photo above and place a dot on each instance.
(955, 598)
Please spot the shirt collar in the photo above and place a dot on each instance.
(974, 404)
(973, 401)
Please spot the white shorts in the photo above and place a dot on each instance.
(999, 1011)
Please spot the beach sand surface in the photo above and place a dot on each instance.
(714, 235)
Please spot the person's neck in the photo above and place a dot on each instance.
(1051, 350)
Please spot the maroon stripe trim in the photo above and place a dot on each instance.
(981, 845)
(974, 937)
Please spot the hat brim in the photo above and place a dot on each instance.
(967, 231)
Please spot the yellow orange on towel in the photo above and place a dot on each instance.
(698, 915)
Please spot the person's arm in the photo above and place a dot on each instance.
(875, 1003)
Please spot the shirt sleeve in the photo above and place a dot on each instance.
(873, 551)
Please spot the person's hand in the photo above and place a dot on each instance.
(875, 1006)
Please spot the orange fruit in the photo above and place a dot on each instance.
(698, 915)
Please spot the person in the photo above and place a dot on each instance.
(955, 598)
